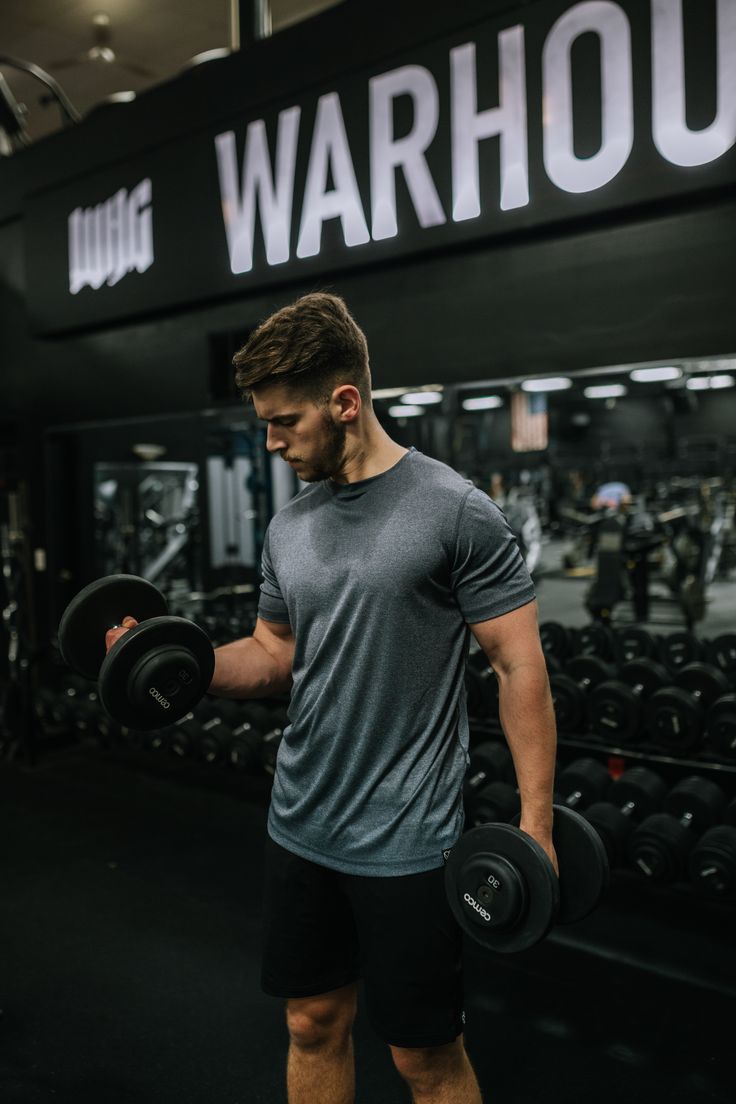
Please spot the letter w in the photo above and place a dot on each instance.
(274, 202)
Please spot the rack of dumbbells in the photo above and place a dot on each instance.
(646, 750)
(223, 743)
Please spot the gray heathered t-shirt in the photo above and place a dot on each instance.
(379, 580)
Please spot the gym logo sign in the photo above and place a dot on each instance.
(110, 240)
(440, 157)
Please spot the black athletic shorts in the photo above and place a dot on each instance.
(324, 929)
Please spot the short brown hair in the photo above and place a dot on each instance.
(312, 346)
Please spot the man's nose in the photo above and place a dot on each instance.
(274, 442)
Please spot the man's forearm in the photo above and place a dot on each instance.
(528, 720)
(244, 669)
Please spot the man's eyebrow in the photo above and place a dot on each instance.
(278, 418)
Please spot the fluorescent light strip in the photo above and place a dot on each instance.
(560, 383)
(605, 391)
(405, 411)
(422, 398)
(654, 375)
(488, 402)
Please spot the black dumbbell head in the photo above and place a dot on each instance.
(660, 846)
(641, 788)
(556, 640)
(585, 780)
(493, 803)
(634, 642)
(722, 652)
(491, 760)
(713, 862)
(501, 888)
(721, 725)
(701, 800)
(596, 640)
(101, 606)
(678, 649)
(156, 672)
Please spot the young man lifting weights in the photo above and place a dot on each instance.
(374, 576)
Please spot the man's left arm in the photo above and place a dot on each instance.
(513, 648)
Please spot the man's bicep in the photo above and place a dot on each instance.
(278, 640)
(510, 638)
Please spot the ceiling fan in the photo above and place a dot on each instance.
(101, 51)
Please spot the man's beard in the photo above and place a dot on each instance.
(328, 462)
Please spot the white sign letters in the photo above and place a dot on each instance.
(110, 240)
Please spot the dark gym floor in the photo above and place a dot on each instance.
(130, 929)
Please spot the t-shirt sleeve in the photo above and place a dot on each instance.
(271, 605)
(488, 575)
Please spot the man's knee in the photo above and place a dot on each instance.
(323, 1021)
(425, 1068)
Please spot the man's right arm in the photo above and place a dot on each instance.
(258, 666)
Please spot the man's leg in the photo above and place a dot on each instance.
(438, 1075)
(320, 1065)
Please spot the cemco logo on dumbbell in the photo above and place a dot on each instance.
(478, 907)
(162, 701)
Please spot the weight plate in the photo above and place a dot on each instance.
(501, 888)
(641, 790)
(713, 862)
(635, 643)
(184, 677)
(569, 703)
(723, 651)
(646, 675)
(614, 711)
(678, 649)
(590, 669)
(674, 718)
(99, 607)
(721, 725)
(555, 639)
(596, 640)
(583, 865)
(698, 800)
(707, 682)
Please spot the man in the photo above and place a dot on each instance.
(374, 575)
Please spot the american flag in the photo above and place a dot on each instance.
(529, 421)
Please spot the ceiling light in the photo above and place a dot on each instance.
(654, 375)
(488, 402)
(422, 398)
(552, 384)
(388, 392)
(405, 411)
(605, 391)
(709, 383)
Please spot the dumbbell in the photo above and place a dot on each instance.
(635, 642)
(636, 794)
(712, 863)
(582, 782)
(569, 690)
(679, 649)
(660, 847)
(721, 651)
(676, 716)
(495, 802)
(489, 762)
(615, 706)
(597, 640)
(155, 672)
(481, 687)
(502, 887)
(720, 725)
(228, 734)
(557, 640)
